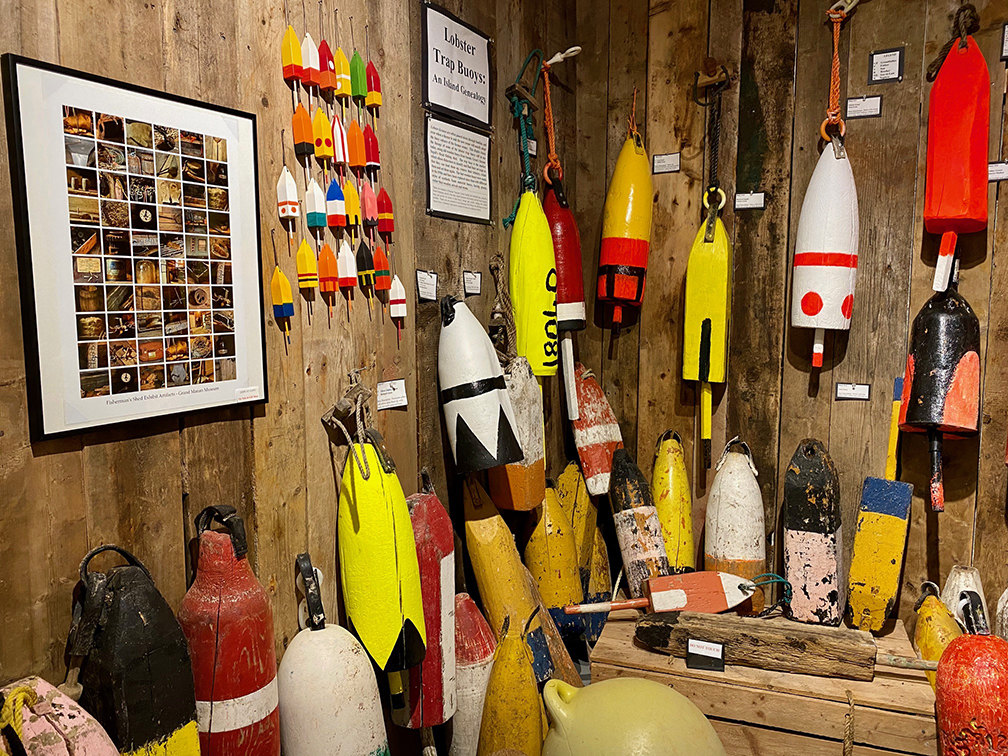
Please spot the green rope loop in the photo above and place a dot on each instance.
(524, 117)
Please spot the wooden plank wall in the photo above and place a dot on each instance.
(771, 121)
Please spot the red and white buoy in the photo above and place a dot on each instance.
(474, 650)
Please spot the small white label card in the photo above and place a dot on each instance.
(704, 655)
(249, 392)
(667, 163)
(750, 201)
(859, 392)
(864, 107)
(472, 282)
(426, 282)
(1004, 42)
(391, 394)
(885, 66)
(997, 171)
(533, 148)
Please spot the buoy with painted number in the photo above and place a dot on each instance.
(596, 431)
(813, 536)
(638, 529)
(826, 251)
(477, 408)
(521, 485)
(227, 619)
(551, 557)
(532, 281)
(671, 491)
(328, 695)
(474, 650)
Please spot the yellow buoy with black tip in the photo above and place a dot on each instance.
(673, 500)
(514, 720)
(706, 313)
(551, 557)
(500, 575)
(936, 627)
(378, 560)
(532, 281)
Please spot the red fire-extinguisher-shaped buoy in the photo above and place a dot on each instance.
(941, 386)
(955, 191)
(227, 620)
(972, 688)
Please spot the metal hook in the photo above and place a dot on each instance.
(713, 89)
(570, 52)
(843, 6)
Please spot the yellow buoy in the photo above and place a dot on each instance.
(599, 587)
(582, 511)
(936, 627)
(513, 714)
(673, 501)
(551, 557)
(706, 313)
(532, 281)
(500, 575)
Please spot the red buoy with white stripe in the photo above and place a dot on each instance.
(227, 620)
(474, 651)
(429, 694)
(826, 251)
(596, 431)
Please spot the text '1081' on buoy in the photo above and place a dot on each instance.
(227, 619)
(477, 409)
(532, 282)
(626, 226)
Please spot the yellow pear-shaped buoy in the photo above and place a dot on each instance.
(936, 627)
(673, 501)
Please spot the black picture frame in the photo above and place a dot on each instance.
(448, 113)
(871, 61)
(428, 117)
(10, 65)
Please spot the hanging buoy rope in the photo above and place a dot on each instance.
(966, 22)
(837, 15)
(522, 107)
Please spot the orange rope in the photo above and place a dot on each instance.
(833, 112)
(632, 120)
(554, 159)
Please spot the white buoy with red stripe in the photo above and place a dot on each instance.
(429, 692)
(327, 690)
(474, 650)
(596, 431)
(826, 251)
(227, 620)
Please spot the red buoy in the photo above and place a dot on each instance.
(227, 620)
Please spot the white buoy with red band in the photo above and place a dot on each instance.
(474, 650)
(327, 690)
(227, 620)
(826, 251)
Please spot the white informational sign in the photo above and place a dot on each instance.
(750, 201)
(859, 392)
(864, 107)
(533, 148)
(472, 282)
(456, 67)
(997, 171)
(458, 172)
(426, 281)
(705, 648)
(1004, 42)
(391, 394)
(886, 65)
(667, 163)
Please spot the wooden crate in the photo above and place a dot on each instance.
(759, 713)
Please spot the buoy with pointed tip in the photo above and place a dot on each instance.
(304, 136)
(351, 200)
(551, 557)
(673, 501)
(310, 63)
(500, 575)
(369, 206)
(356, 154)
(626, 226)
(342, 66)
(307, 267)
(327, 68)
(326, 687)
(335, 206)
(358, 77)
(826, 251)
(288, 204)
(708, 592)
(638, 529)
(283, 300)
(477, 408)
(386, 220)
(429, 691)
(813, 535)
(596, 431)
(936, 627)
(383, 278)
(735, 536)
(328, 270)
(532, 283)
(228, 622)
(377, 554)
(346, 268)
(373, 99)
(315, 206)
(341, 151)
(290, 54)
(474, 650)
(521, 485)
(372, 156)
(941, 386)
(322, 131)
(397, 300)
(365, 269)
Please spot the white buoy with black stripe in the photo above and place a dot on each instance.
(477, 409)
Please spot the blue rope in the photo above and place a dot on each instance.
(771, 578)
(523, 115)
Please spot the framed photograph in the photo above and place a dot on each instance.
(137, 221)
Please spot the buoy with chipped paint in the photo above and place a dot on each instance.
(961, 579)
(477, 408)
(936, 627)
(637, 527)
(532, 282)
(227, 619)
(429, 692)
(709, 592)
(671, 491)
(513, 721)
(941, 386)
(826, 251)
(328, 695)
(735, 536)
(596, 431)
(563, 665)
(521, 485)
(582, 512)
(1001, 616)
(813, 535)
(599, 587)
(551, 557)
(474, 650)
(378, 560)
(500, 575)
